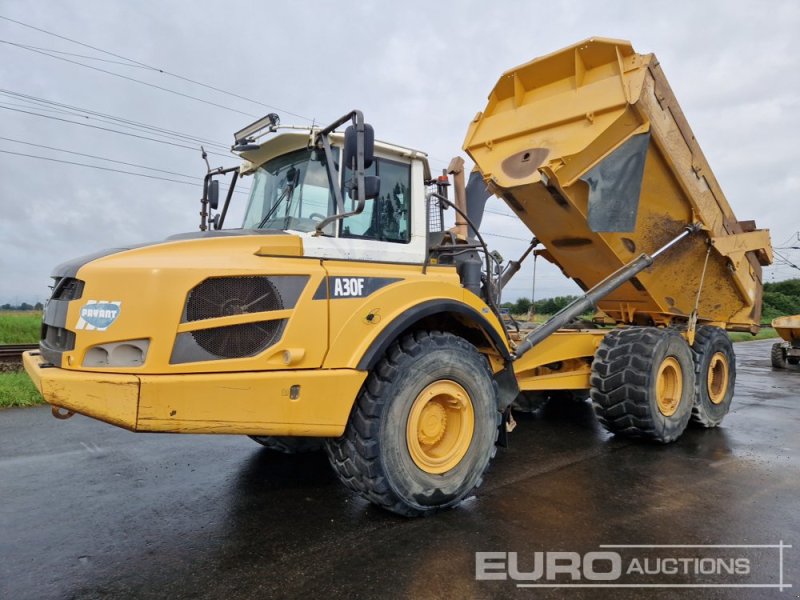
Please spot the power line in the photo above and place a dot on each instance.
(79, 164)
(77, 111)
(44, 108)
(786, 261)
(112, 130)
(502, 214)
(69, 162)
(120, 162)
(507, 237)
(794, 236)
(86, 56)
(159, 70)
(133, 79)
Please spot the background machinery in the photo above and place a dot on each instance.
(787, 351)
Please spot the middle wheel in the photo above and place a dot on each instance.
(643, 383)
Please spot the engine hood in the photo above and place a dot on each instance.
(265, 242)
(141, 296)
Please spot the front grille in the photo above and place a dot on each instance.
(58, 338)
(239, 341)
(67, 288)
(231, 341)
(226, 296)
(218, 297)
(55, 340)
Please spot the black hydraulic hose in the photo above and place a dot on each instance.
(489, 299)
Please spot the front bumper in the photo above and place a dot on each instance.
(300, 402)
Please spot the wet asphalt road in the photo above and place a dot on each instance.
(91, 511)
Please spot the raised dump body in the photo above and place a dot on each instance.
(590, 149)
(788, 328)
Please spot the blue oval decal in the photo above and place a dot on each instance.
(98, 315)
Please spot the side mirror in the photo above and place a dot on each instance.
(351, 146)
(213, 194)
(216, 222)
(372, 188)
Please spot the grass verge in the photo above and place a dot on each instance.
(764, 334)
(16, 389)
(18, 327)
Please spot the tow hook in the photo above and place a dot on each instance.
(61, 413)
(511, 424)
(506, 426)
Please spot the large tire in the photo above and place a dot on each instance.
(778, 356)
(643, 383)
(397, 451)
(289, 444)
(714, 374)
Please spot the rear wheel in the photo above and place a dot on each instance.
(778, 356)
(715, 375)
(643, 383)
(288, 444)
(423, 428)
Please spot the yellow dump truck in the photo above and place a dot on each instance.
(344, 313)
(787, 351)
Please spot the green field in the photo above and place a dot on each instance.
(18, 327)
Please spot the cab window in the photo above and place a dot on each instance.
(387, 217)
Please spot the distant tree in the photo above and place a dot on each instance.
(25, 306)
(522, 306)
(783, 303)
(790, 287)
(38, 306)
(550, 306)
(6, 306)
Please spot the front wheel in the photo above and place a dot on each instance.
(423, 428)
(778, 356)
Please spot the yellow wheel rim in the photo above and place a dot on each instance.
(669, 386)
(717, 377)
(440, 426)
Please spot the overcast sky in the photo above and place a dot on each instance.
(419, 71)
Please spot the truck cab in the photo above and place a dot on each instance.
(292, 191)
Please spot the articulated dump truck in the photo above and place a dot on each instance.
(343, 312)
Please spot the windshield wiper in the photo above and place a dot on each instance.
(292, 177)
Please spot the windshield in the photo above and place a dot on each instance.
(292, 191)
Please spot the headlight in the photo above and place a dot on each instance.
(130, 353)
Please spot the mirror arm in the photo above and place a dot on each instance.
(204, 212)
(228, 197)
(204, 204)
(358, 117)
